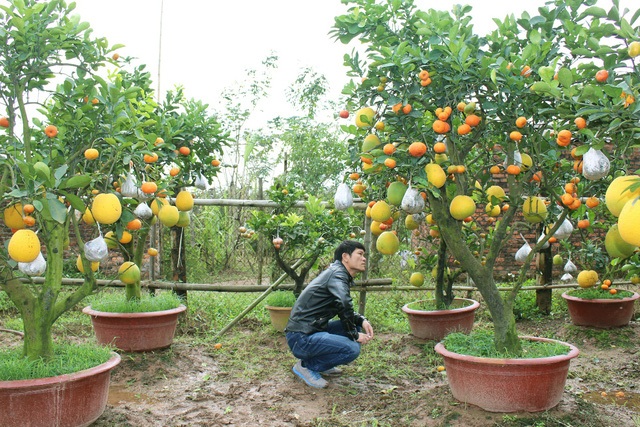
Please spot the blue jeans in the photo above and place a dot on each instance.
(324, 350)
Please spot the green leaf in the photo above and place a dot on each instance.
(76, 202)
(55, 209)
(77, 181)
(535, 37)
(565, 77)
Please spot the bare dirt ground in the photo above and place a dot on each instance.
(191, 385)
(248, 382)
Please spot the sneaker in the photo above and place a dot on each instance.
(332, 372)
(312, 378)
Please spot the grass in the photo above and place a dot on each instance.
(117, 303)
(430, 305)
(68, 358)
(281, 298)
(597, 293)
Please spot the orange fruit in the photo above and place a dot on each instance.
(526, 71)
(583, 223)
(464, 129)
(592, 202)
(460, 106)
(580, 123)
(425, 82)
(397, 108)
(521, 122)
(28, 208)
(185, 151)
(439, 147)
(389, 149)
(606, 282)
(417, 149)
(215, 163)
(149, 187)
(152, 252)
(407, 109)
(441, 127)
(566, 199)
(575, 205)
(29, 221)
(91, 154)
(602, 76)
(4, 122)
(150, 158)
(515, 136)
(494, 169)
(472, 120)
(537, 177)
(354, 176)
(158, 141)
(577, 166)
(174, 171)
(115, 56)
(94, 101)
(613, 292)
(51, 131)
(570, 187)
(390, 163)
(134, 224)
(513, 169)
(423, 75)
(460, 169)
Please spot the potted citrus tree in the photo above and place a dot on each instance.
(458, 114)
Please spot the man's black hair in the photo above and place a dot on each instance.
(347, 247)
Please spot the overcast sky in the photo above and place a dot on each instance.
(207, 45)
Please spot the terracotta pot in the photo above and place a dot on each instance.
(508, 385)
(600, 313)
(436, 324)
(70, 400)
(135, 331)
(279, 316)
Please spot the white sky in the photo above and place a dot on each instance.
(207, 45)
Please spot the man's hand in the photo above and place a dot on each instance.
(365, 337)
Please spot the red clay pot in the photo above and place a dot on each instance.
(600, 313)
(135, 331)
(436, 324)
(71, 400)
(279, 316)
(508, 385)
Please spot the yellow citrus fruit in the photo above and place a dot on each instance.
(156, 204)
(416, 279)
(526, 161)
(94, 265)
(381, 211)
(629, 222)
(126, 237)
(370, 142)
(87, 217)
(616, 246)
(429, 219)
(184, 201)
(534, 210)
(183, 219)
(616, 197)
(111, 240)
(387, 243)
(152, 252)
(411, 223)
(91, 154)
(587, 278)
(106, 208)
(435, 174)
(13, 216)
(492, 210)
(375, 228)
(169, 215)
(461, 207)
(497, 192)
(368, 114)
(395, 192)
(129, 273)
(634, 49)
(24, 246)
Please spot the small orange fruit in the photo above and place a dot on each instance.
(152, 252)
(185, 151)
(354, 176)
(472, 120)
(215, 163)
(407, 109)
(149, 187)
(217, 346)
(515, 136)
(583, 223)
(592, 202)
(602, 76)
(150, 158)
(464, 129)
(389, 149)
(91, 154)
(4, 122)
(417, 149)
(28, 208)
(606, 282)
(390, 163)
(397, 108)
(423, 75)
(174, 171)
(495, 169)
(513, 169)
(29, 221)
(51, 131)
(580, 122)
(425, 82)
(521, 122)
(613, 292)
(439, 147)
(134, 224)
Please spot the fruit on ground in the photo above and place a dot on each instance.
(629, 222)
(461, 207)
(13, 216)
(616, 197)
(184, 201)
(387, 243)
(381, 211)
(435, 174)
(106, 208)
(129, 273)
(24, 246)
(616, 246)
(94, 265)
(416, 279)
(395, 192)
(364, 117)
(534, 210)
(370, 142)
(587, 278)
(169, 215)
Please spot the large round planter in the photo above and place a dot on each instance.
(600, 313)
(508, 385)
(436, 324)
(70, 400)
(279, 316)
(135, 331)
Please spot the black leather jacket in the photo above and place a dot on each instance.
(325, 297)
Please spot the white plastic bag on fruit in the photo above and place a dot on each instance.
(343, 199)
(412, 201)
(419, 217)
(564, 231)
(37, 267)
(595, 165)
(566, 277)
(570, 267)
(96, 249)
(143, 211)
(523, 252)
(128, 187)
(546, 244)
(201, 182)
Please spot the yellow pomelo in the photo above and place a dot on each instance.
(440, 158)
(416, 279)
(367, 212)
(387, 243)
(375, 228)
(169, 215)
(183, 219)
(614, 244)
(157, 203)
(129, 273)
(616, 196)
(106, 208)
(411, 223)
(371, 168)
(367, 121)
(111, 240)
(497, 192)
(435, 174)
(13, 217)
(381, 211)
(461, 207)
(534, 210)
(24, 246)
(430, 219)
(492, 210)
(526, 161)
(371, 141)
(629, 222)
(184, 201)
(634, 49)
(94, 265)
(587, 278)
(87, 217)
(395, 192)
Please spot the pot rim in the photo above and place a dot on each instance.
(88, 310)
(278, 307)
(39, 382)
(573, 352)
(633, 297)
(473, 306)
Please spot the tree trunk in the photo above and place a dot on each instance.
(545, 266)
(178, 259)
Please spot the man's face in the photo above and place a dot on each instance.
(356, 262)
